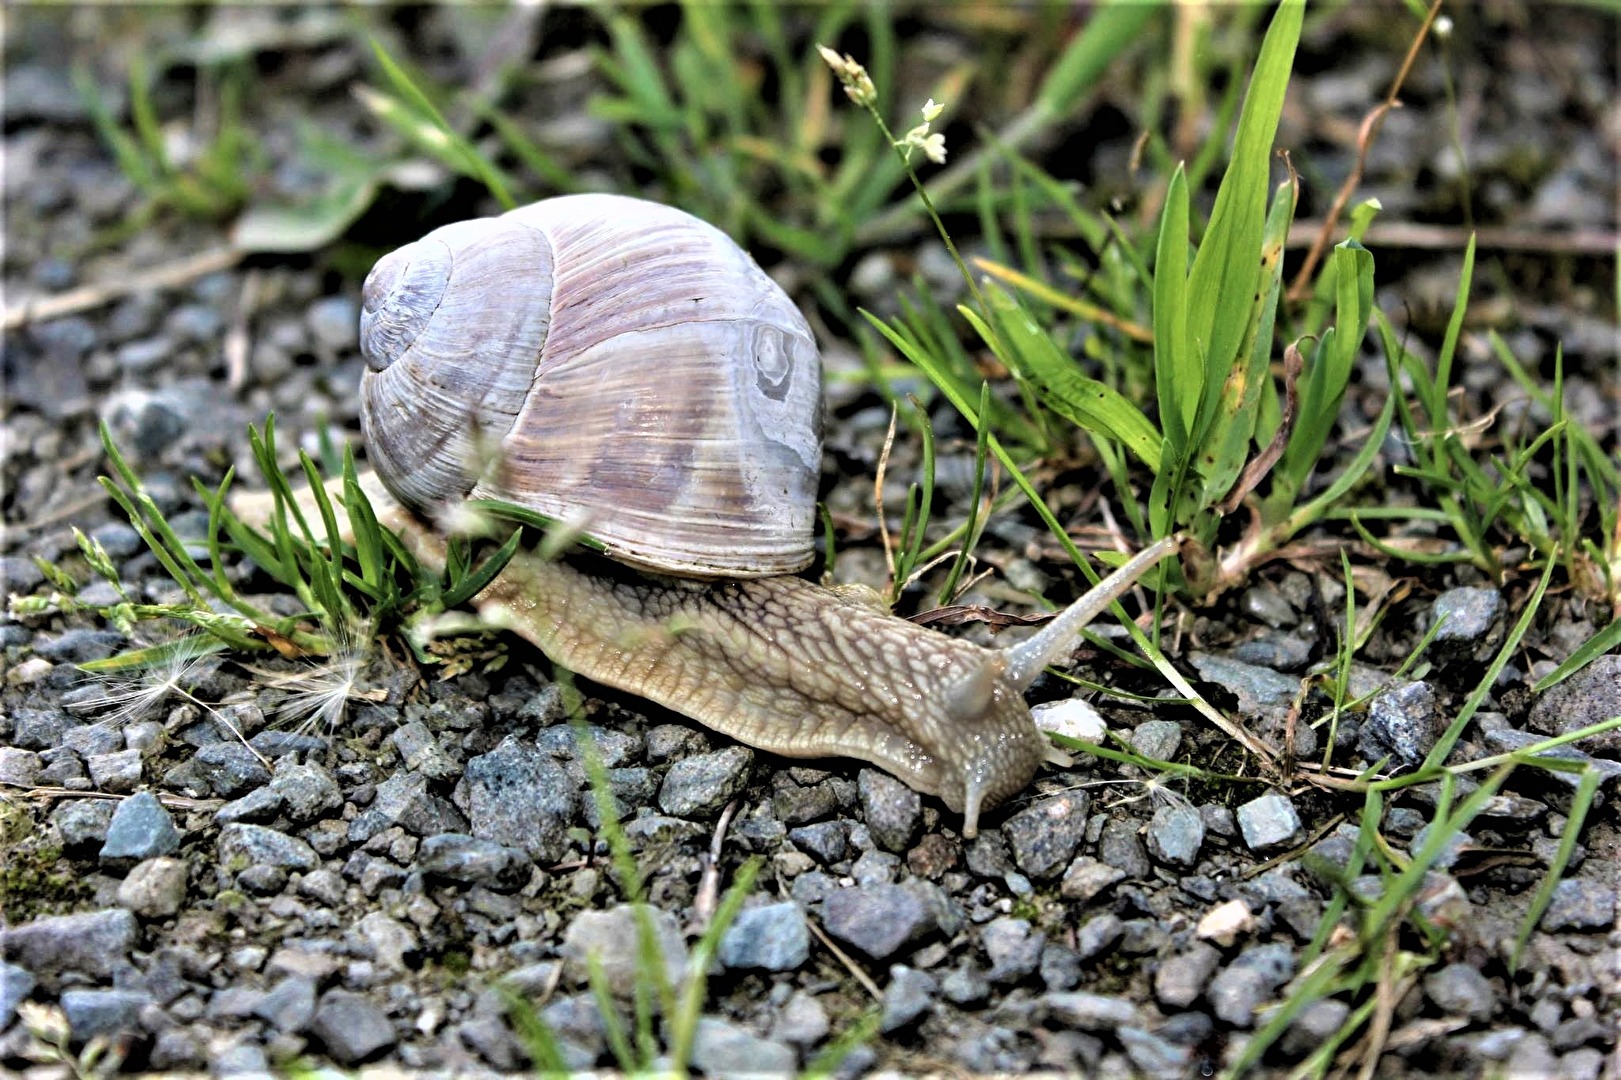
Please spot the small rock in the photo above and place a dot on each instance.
(1315, 1025)
(1579, 904)
(103, 1012)
(1098, 935)
(1158, 740)
(803, 1021)
(908, 996)
(825, 840)
(154, 889)
(1087, 877)
(1401, 725)
(1258, 690)
(18, 767)
(1590, 696)
(226, 769)
(257, 806)
(1461, 990)
(289, 1006)
(1073, 719)
(612, 937)
(140, 829)
(404, 800)
(1244, 985)
(15, 985)
(241, 847)
(518, 797)
(1090, 1012)
(117, 772)
(420, 751)
(350, 1027)
(721, 1048)
(1122, 848)
(308, 791)
(83, 823)
(94, 943)
(877, 919)
(893, 812)
(1467, 617)
(332, 321)
(773, 937)
(388, 942)
(1264, 603)
(1183, 977)
(1175, 835)
(465, 858)
(967, 985)
(1153, 1054)
(1044, 836)
(701, 786)
(1269, 822)
(1224, 923)
(79, 646)
(1013, 950)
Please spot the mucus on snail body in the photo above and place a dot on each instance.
(627, 366)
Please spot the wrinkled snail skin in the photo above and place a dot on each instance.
(622, 365)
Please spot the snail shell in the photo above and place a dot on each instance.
(606, 361)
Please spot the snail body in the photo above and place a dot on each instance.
(680, 423)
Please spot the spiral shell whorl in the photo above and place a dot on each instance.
(605, 360)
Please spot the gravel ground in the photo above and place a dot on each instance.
(227, 890)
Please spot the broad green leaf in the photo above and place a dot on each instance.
(1081, 400)
(1222, 287)
(1178, 374)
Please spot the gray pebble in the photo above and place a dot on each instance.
(1090, 1012)
(1590, 696)
(1247, 983)
(967, 985)
(723, 1049)
(802, 1022)
(1157, 739)
(79, 646)
(795, 803)
(1269, 822)
(893, 812)
(334, 322)
(1280, 650)
(289, 1006)
(227, 769)
(877, 919)
(103, 1012)
(19, 575)
(1401, 724)
(1451, 848)
(420, 751)
(1508, 739)
(1121, 848)
(469, 859)
(1258, 690)
(1043, 837)
(308, 792)
(1087, 877)
(1014, 951)
(146, 354)
(701, 786)
(1461, 990)
(1470, 615)
(1579, 904)
(519, 797)
(1314, 1025)
(1263, 602)
(1098, 935)
(612, 938)
(241, 847)
(140, 829)
(93, 943)
(1175, 835)
(154, 889)
(909, 995)
(824, 840)
(773, 937)
(259, 805)
(350, 1027)
(19, 767)
(15, 985)
(875, 868)
(88, 739)
(83, 823)
(404, 800)
(1183, 977)
(1153, 1054)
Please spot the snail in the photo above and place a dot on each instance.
(621, 364)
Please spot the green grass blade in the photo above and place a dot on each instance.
(1581, 802)
(1178, 374)
(1589, 650)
